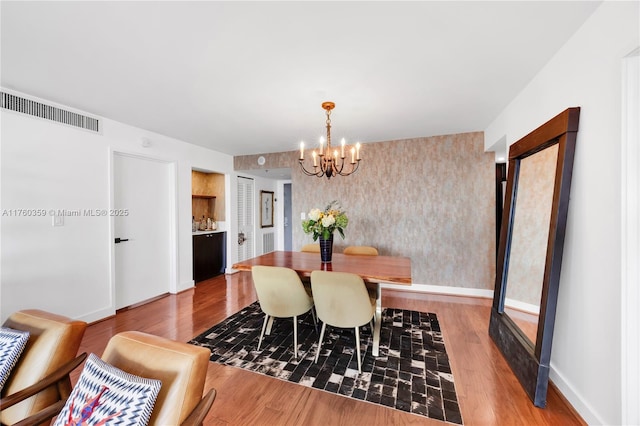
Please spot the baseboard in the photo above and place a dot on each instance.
(438, 289)
(98, 315)
(186, 285)
(574, 398)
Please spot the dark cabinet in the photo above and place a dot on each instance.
(209, 255)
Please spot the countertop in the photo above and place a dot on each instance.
(208, 232)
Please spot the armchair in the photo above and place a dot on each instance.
(181, 367)
(41, 375)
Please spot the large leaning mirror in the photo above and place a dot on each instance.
(530, 250)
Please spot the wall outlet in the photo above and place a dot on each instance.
(303, 215)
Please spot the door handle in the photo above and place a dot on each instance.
(121, 240)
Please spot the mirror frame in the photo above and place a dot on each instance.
(530, 362)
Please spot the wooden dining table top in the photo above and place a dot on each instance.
(374, 269)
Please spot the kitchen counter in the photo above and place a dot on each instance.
(208, 232)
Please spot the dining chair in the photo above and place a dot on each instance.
(281, 294)
(311, 248)
(342, 300)
(361, 250)
(40, 378)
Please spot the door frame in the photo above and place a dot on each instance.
(279, 212)
(173, 218)
(630, 240)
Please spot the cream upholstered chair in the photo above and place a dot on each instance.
(311, 248)
(181, 367)
(342, 300)
(281, 295)
(53, 344)
(361, 250)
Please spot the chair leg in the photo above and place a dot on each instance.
(358, 349)
(324, 324)
(295, 337)
(315, 320)
(264, 326)
(269, 326)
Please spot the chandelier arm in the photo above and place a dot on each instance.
(308, 173)
(354, 168)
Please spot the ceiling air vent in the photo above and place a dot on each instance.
(48, 112)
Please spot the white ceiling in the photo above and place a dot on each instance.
(249, 77)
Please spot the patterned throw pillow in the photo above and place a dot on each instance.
(105, 395)
(12, 343)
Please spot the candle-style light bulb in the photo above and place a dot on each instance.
(342, 142)
(353, 153)
(315, 160)
(302, 150)
(358, 151)
(335, 154)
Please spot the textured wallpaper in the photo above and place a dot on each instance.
(431, 199)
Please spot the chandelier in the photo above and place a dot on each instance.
(327, 162)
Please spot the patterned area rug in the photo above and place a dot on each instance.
(411, 374)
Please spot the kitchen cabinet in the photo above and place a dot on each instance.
(209, 255)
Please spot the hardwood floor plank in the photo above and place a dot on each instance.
(488, 392)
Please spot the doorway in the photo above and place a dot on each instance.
(246, 207)
(143, 191)
(288, 234)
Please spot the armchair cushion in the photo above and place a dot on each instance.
(104, 392)
(12, 343)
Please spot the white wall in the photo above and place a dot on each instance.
(46, 165)
(586, 72)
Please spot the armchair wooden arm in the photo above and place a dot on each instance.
(59, 377)
(200, 411)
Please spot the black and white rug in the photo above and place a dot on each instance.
(411, 374)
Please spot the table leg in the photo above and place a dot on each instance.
(378, 322)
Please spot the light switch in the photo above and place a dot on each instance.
(58, 220)
(302, 216)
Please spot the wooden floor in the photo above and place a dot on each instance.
(488, 392)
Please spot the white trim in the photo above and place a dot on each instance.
(571, 394)
(98, 315)
(522, 306)
(438, 289)
(630, 241)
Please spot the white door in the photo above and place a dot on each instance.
(245, 218)
(142, 192)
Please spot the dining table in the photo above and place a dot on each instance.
(374, 270)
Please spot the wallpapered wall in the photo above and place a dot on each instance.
(431, 199)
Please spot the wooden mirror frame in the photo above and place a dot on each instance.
(530, 362)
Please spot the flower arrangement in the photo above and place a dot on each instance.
(325, 222)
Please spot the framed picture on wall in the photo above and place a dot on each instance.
(266, 209)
